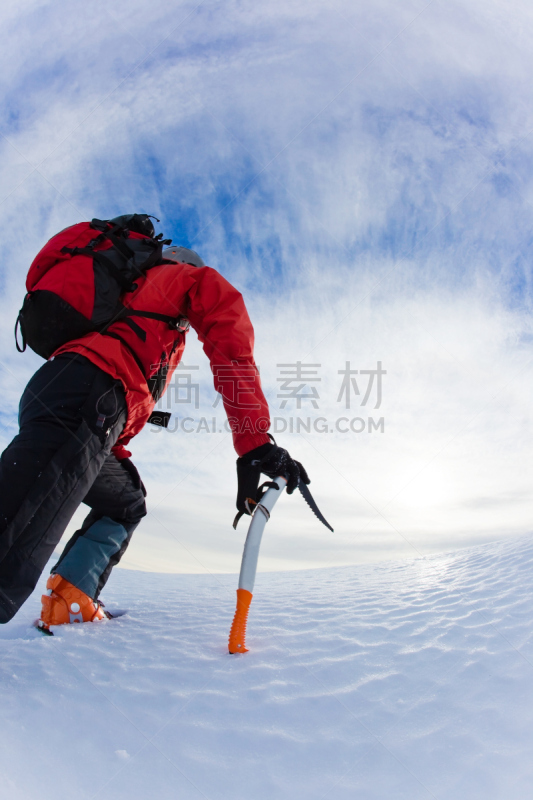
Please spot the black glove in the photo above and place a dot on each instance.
(272, 461)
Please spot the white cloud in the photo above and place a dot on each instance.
(363, 173)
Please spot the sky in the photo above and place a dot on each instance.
(361, 171)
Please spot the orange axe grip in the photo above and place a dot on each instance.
(237, 634)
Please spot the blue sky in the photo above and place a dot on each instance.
(362, 172)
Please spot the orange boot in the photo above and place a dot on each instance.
(63, 603)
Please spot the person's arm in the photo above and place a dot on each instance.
(218, 314)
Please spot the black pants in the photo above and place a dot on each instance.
(71, 414)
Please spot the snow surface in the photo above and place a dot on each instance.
(397, 680)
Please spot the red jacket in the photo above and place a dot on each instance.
(217, 313)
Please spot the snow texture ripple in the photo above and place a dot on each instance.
(407, 680)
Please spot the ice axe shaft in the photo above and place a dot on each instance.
(250, 557)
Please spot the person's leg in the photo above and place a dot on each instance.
(117, 502)
(71, 414)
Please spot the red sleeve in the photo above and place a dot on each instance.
(218, 315)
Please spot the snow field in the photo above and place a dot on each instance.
(399, 680)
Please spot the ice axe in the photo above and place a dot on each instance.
(261, 515)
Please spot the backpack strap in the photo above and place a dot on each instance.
(101, 225)
(152, 382)
(180, 324)
(18, 325)
(118, 243)
(153, 260)
(173, 322)
(127, 346)
(107, 228)
(117, 235)
(125, 284)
